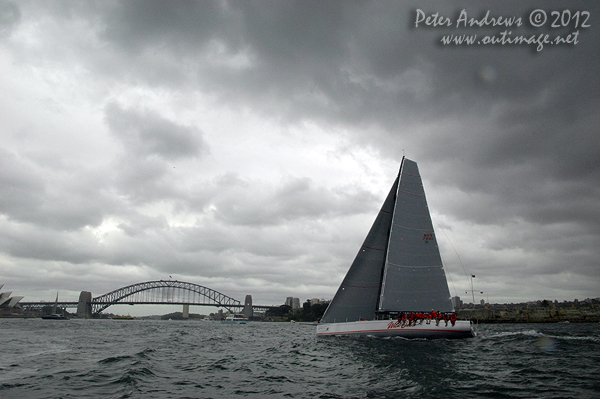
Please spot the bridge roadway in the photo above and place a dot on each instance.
(67, 305)
(161, 292)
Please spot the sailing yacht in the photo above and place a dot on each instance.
(54, 315)
(396, 285)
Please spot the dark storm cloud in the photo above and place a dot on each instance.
(178, 26)
(22, 188)
(327, 60)
(61, 199)
(363, 63)
(347, 62)
(33, 242)
(238, 201)
(506, 137)
(145, 134)
(152, 147)
(9, 17)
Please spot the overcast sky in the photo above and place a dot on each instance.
(248, 146)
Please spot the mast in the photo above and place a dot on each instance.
(55, 304)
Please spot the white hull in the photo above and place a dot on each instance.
(235, 319)
(392, 328)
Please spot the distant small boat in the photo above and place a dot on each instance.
(54, 315)
(123, 317)
(235, 319)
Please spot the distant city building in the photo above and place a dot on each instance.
(292, 302)
(315, 301)
(456, 302)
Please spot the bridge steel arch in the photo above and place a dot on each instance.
(164, 291)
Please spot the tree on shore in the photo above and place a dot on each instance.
(281, 311)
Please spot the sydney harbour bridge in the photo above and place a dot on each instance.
(161, 292)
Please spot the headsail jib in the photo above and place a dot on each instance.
(357, 297)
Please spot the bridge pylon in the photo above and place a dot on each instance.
(248, 310)
(84, 306)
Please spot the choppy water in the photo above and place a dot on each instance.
(172, 359)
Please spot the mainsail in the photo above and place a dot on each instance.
(413, 278)
(398, 267)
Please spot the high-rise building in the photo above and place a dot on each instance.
(456, 302)
(292, 302)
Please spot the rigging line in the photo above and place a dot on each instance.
(452, 245)
(448, 275)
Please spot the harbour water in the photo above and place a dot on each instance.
(192, 359)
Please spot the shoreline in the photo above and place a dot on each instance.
(531, 315)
